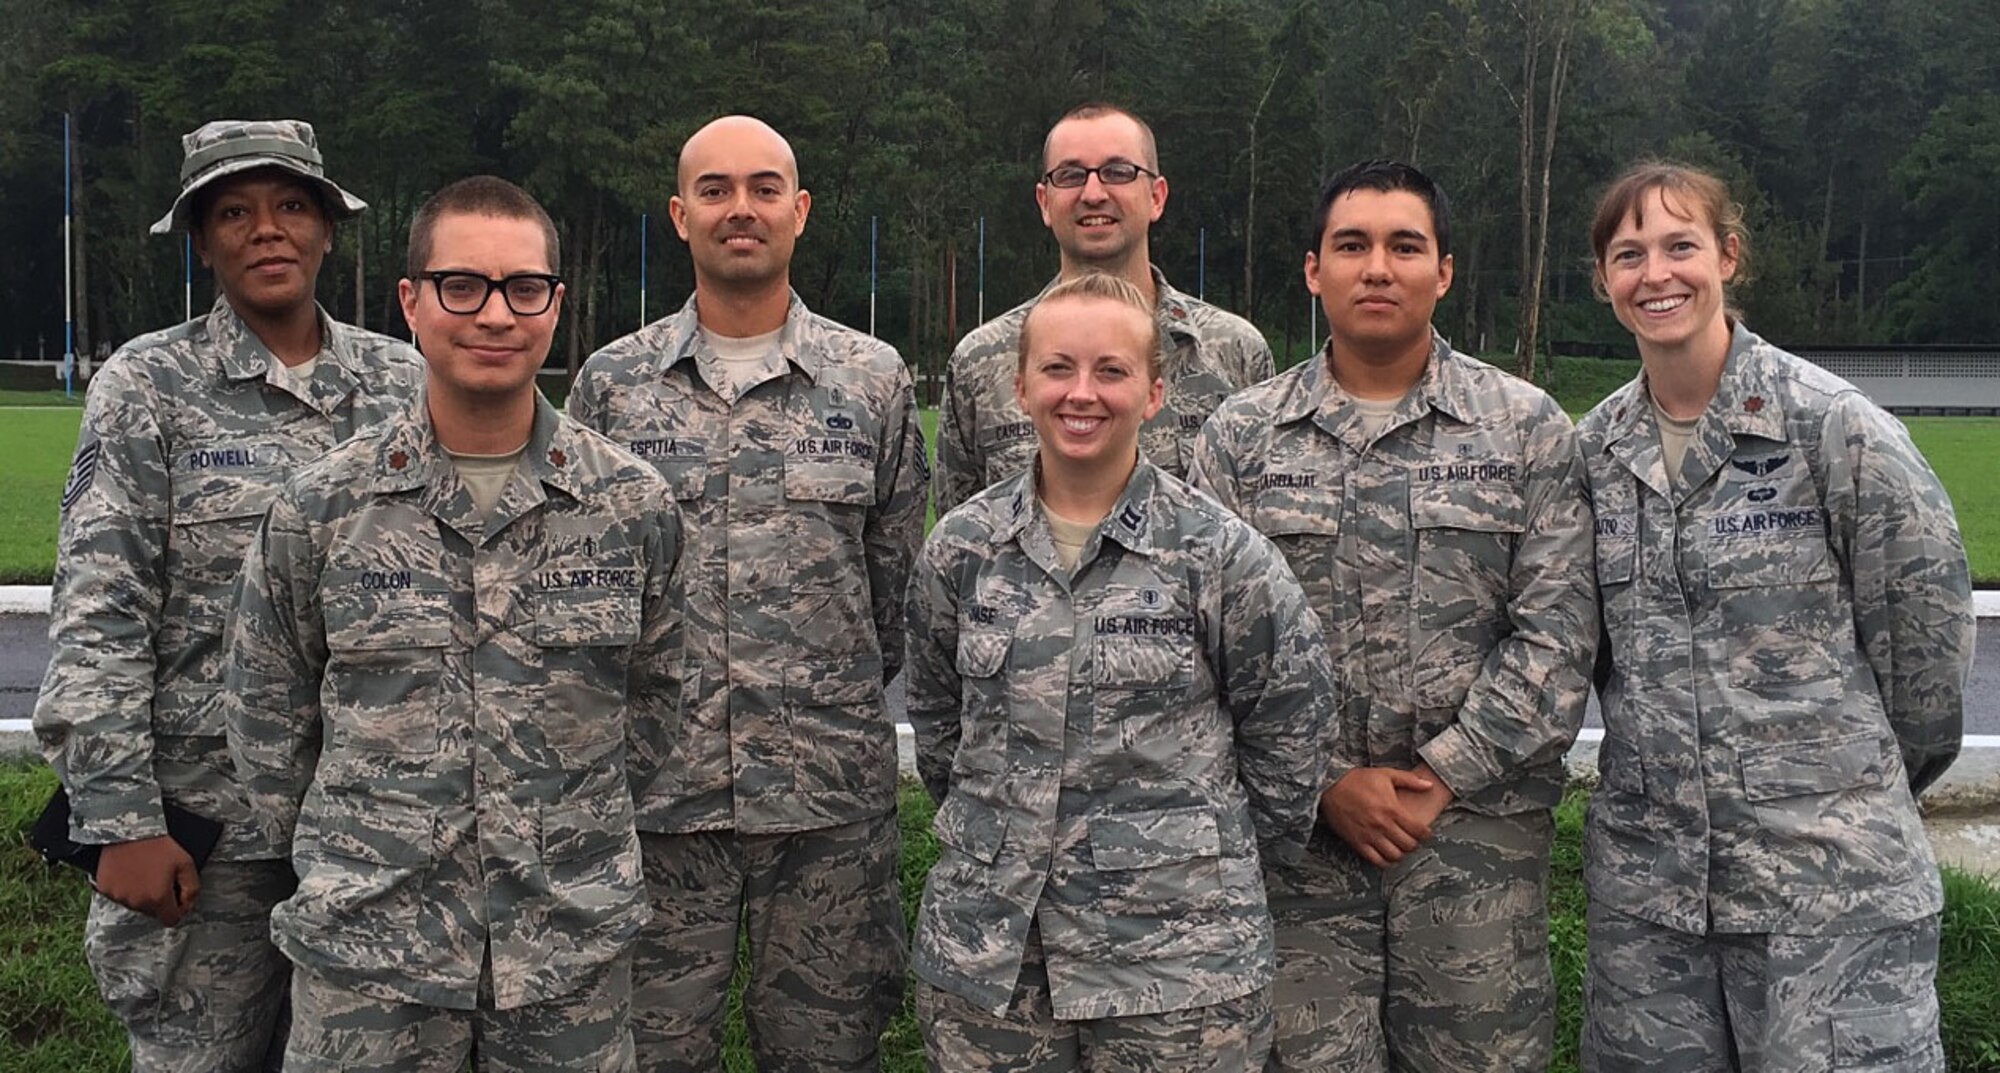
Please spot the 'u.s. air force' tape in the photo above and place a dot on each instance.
(81, 472)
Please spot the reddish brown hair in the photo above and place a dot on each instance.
(1682, 187)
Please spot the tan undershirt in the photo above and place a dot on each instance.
(1069, 536)
(1674, 438)
(742, 362)
(1375, 414)
(485, 476)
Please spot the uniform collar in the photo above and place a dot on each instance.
(1444, 387)
(408, 456)
(245, 357)
(798, 339)
(1130, 521)
(1172, 309)
(1746, 403)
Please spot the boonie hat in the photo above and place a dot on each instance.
(227, 146)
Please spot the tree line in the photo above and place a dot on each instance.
(1863, 137)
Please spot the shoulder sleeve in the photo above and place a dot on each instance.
(94, 715)
(1277, 679)
(895, 523)
(275, 658)
(961, 466)
(930, 663)
(1892, 525)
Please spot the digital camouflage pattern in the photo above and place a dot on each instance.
(206, 996)
(804, 503)
(827, 950)
(458, 710)
(1231, 1036)
(1448, 558)
(188, 434)
(1759, 1002)
(804, 500)
(584, 1031)
(1788, 637)
(1788, 633)
(1206, 354)
(226, 146)
(1114, 751)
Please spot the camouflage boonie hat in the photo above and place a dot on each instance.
(228, 146)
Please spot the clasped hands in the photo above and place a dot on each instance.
(1384, 813)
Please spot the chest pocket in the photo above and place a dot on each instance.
(832, 466)
(1777, 597)
(386, 655)
(1465, 536)
(215, 517)
(1304, 522)
(585, 637)
(983, 711)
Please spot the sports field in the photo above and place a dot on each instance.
(38, 434)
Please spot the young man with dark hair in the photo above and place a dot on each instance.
(1433, 508)
(455, 665)
(187, 435)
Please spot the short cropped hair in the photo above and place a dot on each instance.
(1106, 287)
(1384, 176)
(1098, 110)
(480, 195)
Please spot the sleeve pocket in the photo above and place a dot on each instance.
(973, 829)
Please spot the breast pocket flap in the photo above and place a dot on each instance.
(1823, 765)
(399, 619)
(587, 618)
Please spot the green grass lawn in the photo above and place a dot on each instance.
(51, 1019)
(35, 447)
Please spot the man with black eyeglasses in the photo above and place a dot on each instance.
(455, 664)
(1099, 193)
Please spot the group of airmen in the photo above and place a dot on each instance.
(1243, 697)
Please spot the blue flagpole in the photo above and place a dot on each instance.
(982, 270)
(642, 269)
(69, 273)
(872, 278)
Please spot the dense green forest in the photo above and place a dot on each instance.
(1862, 135)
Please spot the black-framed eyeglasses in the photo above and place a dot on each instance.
(528, 294)
(1116, 173)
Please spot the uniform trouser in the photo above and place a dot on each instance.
(338, 1030)
(1665, 1001)
(207, 996)
(1231, 1036)
(1438, 963)
(828, 945)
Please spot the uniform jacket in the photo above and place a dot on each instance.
(456, 710)
(1112, 752)
(187, 435)
(1448, 559)
(804, 505)
(1206, 353)
(1788, 639)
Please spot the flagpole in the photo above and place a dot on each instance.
(642, 269)
(69, 272)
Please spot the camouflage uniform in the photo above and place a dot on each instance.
(1206, 354)
(804, 500)
(457, 712)
(1114, 752)
(187, 435)
(1448, 558)
(1788, 635)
